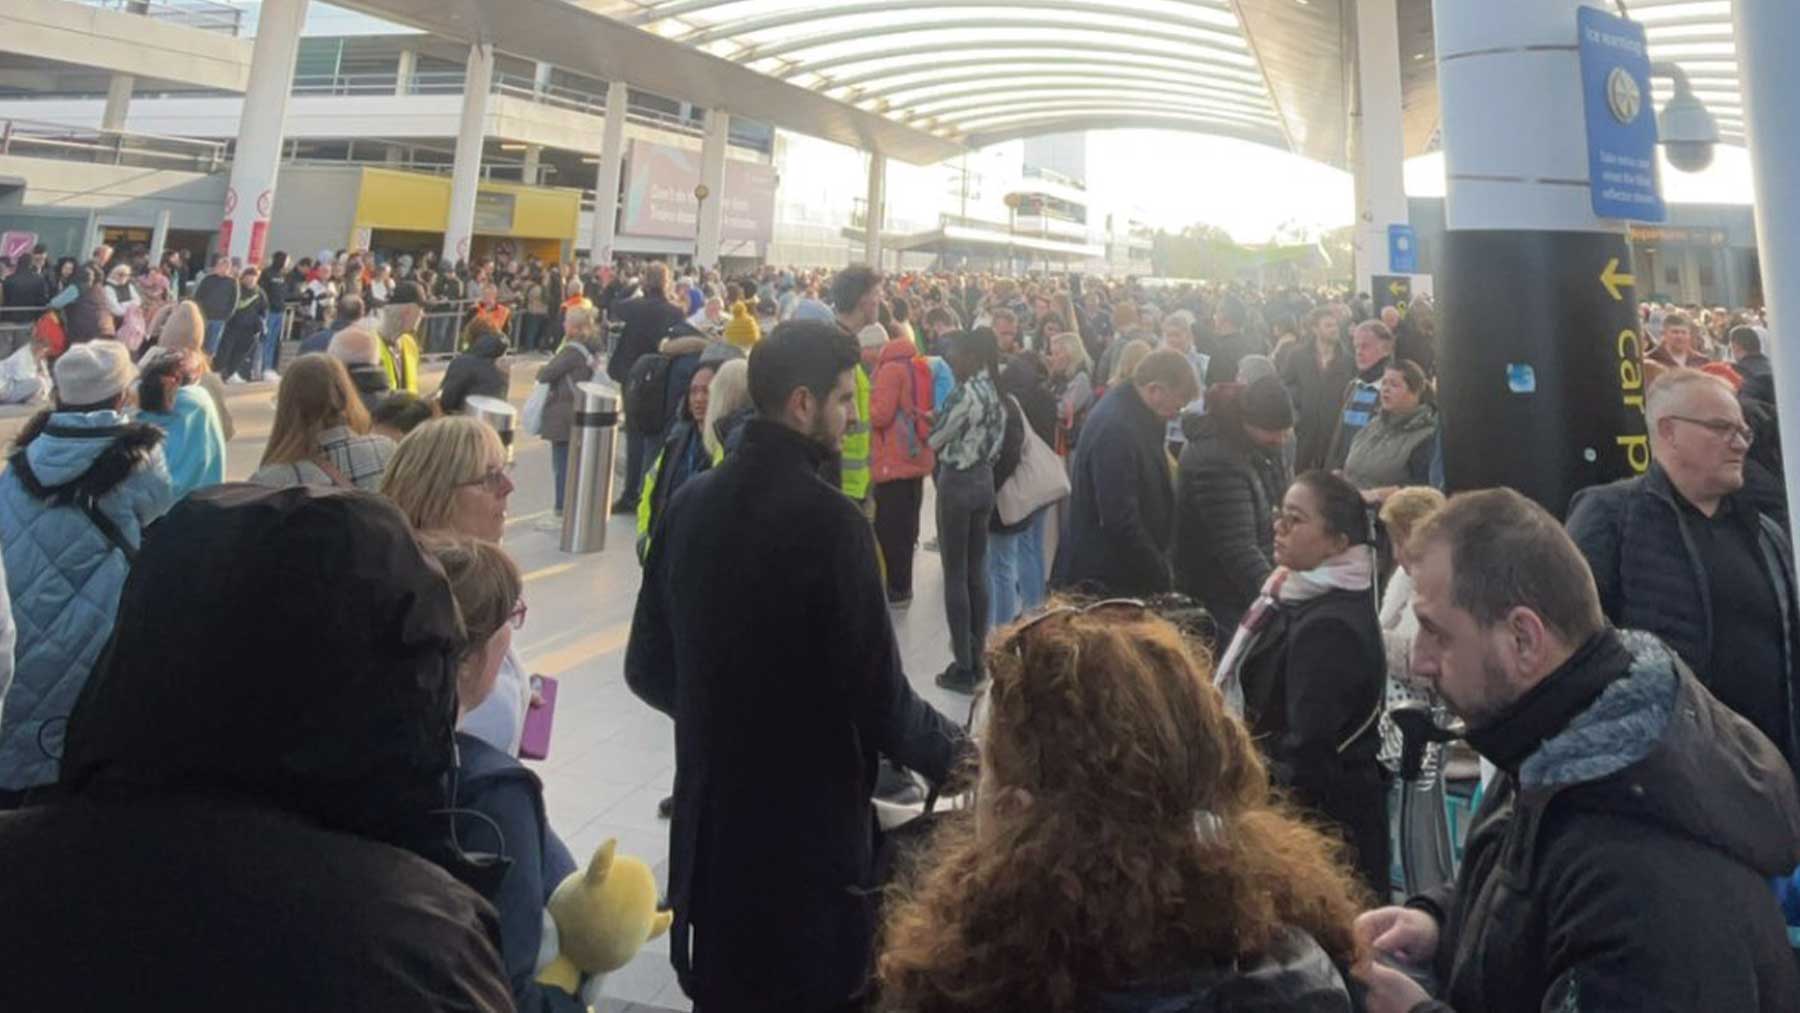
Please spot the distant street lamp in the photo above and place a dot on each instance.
(701, 192)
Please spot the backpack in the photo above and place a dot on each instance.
(646, 394)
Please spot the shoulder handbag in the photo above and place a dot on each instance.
(99, 519)
(1039, 480)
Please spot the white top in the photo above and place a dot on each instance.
(499, 720)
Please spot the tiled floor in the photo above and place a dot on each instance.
(612, 757)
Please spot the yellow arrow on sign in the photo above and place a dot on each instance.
(1613, 280)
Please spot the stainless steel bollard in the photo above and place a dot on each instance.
(587, 496)
(497, 413)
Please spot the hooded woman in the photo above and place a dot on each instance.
(235, 835)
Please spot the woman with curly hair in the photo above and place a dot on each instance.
(1124, 853)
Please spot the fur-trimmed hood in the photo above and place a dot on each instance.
(1656, 747)
(60, 456)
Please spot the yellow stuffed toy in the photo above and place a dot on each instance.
(603, 916)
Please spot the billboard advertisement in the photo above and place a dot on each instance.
(659, 195)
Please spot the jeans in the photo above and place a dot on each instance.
(559, 468)
(271, 344)
(965, 503)
(531, 331)
(1016, 570)
(215, 329)
(897, 505)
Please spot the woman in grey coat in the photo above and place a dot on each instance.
(1395, 448)
(573, 363)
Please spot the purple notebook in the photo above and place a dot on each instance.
(534, 742)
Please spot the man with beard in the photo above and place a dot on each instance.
(1621, 857)
(762, 628)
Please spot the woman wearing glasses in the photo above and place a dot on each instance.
(321, 432)
(1308, 670)
(500, 804)
(1125, 854)
(449, 477)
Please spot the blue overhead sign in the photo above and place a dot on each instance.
(1621, 119)
(1403, 249)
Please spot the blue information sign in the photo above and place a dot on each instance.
(1621, 119)
(1403, 249)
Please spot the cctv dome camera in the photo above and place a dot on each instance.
(1687, 131)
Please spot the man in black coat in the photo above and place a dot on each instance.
(278, 842)
(1621, 858)
(1122, 507)
(762, 627)
(1231, 481)
(478, 370)
(1231, 342)
(647, 319)
(1681, 552)
(1752, 364)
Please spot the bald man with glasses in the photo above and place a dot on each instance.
(1680, 553)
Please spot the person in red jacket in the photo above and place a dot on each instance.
(900, 419)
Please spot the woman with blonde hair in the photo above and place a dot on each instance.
(728, 407)
(181, 327)
(320, 436)
(449, 477)
(1404, 512)
(1131, 352)
(1124, 852)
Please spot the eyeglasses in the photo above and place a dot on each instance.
(1282, 519)
(517, 615)
(1724, 429)
(1016, 642)
(493, 479)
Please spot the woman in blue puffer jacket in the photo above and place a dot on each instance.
(81, 484)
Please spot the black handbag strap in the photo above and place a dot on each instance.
(108, 528)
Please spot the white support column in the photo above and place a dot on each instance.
(877, 201)
(465, 175)
(159, 235)
(712, 175)
(404, 69)
(251, 194)
(606, 183)
(1766, 32)
(540, 81)
(534, 162)
(1381, 144)
(118, 102)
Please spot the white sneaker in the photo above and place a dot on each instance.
(271, 376)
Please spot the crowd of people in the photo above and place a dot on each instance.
(1194, 545)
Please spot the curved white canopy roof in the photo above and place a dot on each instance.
(979, 71)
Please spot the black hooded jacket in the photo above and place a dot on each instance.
(1621, 860)
(475, 372)
(1226, 492)
(245, 804)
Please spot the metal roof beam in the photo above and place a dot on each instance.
(683, 8)
(781, 50)
(1123, 120)
(738, 30)
(1246, 74)
(975, 99)
(1018, 110)
(964, 71)
(996, 76)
